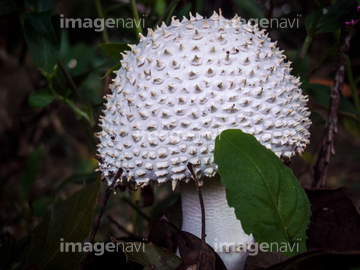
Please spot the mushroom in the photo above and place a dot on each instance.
(180, 87)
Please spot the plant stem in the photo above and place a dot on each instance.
(98, 218)
(330, 52)
(122, 228)
(85, 105)
(327, 147)
(71, 82)
(221, 222)
(202, 207)
(169, 10)
(135, 198)
(198, 6)
(136, 208)
(100, 12)
(307, 42)
(136, 17)
(69, 102)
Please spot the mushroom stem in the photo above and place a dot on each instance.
(223, 230)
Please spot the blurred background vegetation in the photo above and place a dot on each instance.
(52, 83)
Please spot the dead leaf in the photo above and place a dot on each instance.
(335, 221)
(189, 248)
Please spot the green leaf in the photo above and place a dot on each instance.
(250, 7)
(114, 49)
(149, 255)
(42, 40)
(40, 98)
(116, 67)
(68, 222)
(81, 58)
(321, 93)
(159, 7)
(267, 197)
(333, 17)
(111, 70)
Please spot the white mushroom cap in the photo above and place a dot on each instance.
(184, 84)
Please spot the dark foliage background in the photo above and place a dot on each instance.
(48, 118)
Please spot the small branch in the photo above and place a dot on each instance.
(98, 218)
(67, 101)
(70, 80)
(122, 228)
(327, 147)
(136, 208)
(203, 243)
(88, 116)
(72, 83)
(135, 198)
(165, 219)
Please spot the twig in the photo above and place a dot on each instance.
(165, 219)
(87, 115)
(203, 243)
(72, 83)
(135, 198)
(122, 228)
(67, 101)
(136, 208)
(327, 147)
(98, 218)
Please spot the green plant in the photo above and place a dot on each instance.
(53, 80)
